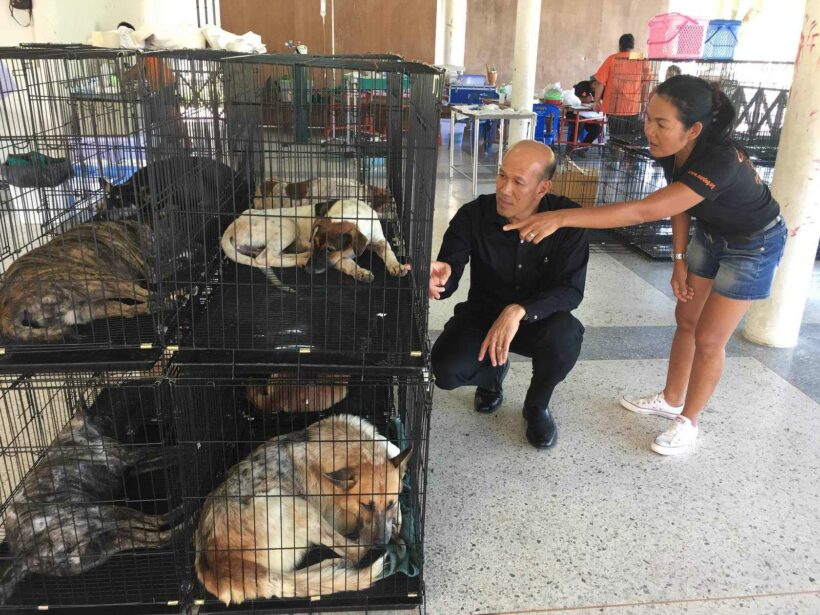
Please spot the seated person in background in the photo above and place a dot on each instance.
(520, 297)
(583, 90)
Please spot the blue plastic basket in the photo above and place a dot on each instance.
(721, 39)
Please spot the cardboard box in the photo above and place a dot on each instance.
(576, 183)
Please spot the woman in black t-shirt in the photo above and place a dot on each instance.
(730, 261)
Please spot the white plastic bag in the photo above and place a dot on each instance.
(569, 99)
(220, 39)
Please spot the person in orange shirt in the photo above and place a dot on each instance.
(626, 86)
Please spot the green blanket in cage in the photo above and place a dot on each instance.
(404, 556)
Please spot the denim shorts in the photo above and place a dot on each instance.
(740, 270)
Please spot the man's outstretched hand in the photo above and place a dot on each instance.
(439, 274)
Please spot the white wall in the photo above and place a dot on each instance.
(770, 29)
(10, 32)
(72, 21)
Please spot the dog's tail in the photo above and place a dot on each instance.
(230, 574)
(330, 576)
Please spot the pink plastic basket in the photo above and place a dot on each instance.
(673, 36)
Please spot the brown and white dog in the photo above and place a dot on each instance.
(317, 486)
(281, 394)
(317, 236)
(273, 193)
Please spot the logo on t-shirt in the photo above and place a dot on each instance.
(707, 182)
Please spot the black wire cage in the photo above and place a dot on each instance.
(759, 92)
(149, 195)
(89, 515)
(317, 479)
(68, 130)
(623, 169)
(609, 174)
(330, 253)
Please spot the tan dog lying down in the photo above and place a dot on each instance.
(311, 487)
(317, 236)
(273, 193)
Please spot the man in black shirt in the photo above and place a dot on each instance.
(520, 296)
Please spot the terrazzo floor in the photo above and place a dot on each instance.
(601, 524)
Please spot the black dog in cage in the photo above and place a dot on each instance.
(62, 520)
(181, 198)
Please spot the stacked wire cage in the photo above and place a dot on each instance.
(623, 169)
(152, 353)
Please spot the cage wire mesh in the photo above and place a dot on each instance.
(69, 131)
(758, 90)
(304, 502)
(169, 149)
(87, 468)
(622, 169)
(338, 156)
(148, 158)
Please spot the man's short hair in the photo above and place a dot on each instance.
(549, 168)
(626, 42)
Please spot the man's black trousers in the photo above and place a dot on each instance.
(553, 344)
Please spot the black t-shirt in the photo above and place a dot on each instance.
(735, 199)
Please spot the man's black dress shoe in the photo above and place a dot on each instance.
(487, 400)
(541, 429)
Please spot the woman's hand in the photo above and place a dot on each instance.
(537, 226)
(683, 292)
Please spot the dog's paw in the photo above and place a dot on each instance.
(398, 270)
(363, 275)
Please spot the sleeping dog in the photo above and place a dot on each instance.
(313, 236)
(275, 193)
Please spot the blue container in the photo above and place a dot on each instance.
(721, 39)
(471, 95)
(546, 122)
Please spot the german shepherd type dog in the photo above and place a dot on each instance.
(316, 486)
(61, 521)
(281, 395)
(97, 270)
(316, 236)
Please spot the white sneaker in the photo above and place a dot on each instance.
(653, 404)
(677, 439)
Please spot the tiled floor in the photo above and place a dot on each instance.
(601, 524)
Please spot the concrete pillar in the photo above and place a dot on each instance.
(776, 321)
(455, 31)
(525, 58)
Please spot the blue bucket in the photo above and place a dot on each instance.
(721, 39)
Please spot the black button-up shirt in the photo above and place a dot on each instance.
(544, 278)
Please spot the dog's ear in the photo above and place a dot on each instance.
(105, 186)
(344, 478)
(379, 197)
(400, 460)
(271, 187)
(318, 235)
(354, 240)
(298, 190)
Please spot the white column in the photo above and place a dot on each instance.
(776, 321)
(455, 31)
(525, 58)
